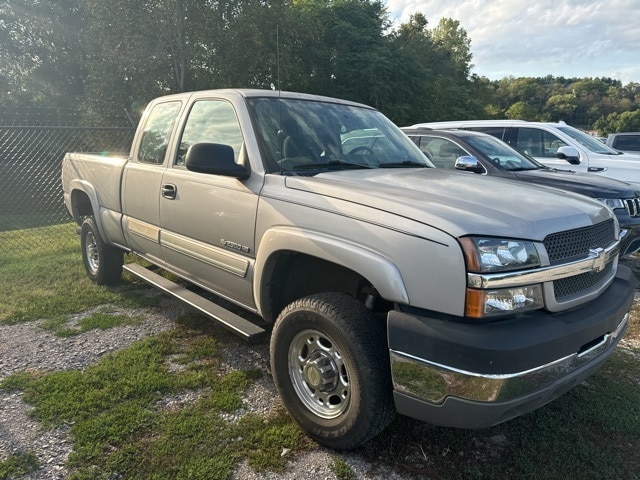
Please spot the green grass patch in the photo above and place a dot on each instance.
(342, 469)
(16, 466)
(121, 429)
(47, 279)
(101, 320)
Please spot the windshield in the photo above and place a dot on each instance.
(587, 141)
(501, 154)
(306, 137)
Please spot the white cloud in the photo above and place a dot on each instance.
(569, 38)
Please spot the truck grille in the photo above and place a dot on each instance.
(575, 244)
(633, 206)
(567, 287)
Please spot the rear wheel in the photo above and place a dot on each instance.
(331, 367)
(102, 262)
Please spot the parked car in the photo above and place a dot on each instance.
(627, 142)
(476, 152)
(555, 145)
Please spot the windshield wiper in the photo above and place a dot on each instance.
(329, 164)
(404, 164)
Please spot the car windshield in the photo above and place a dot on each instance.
(307, 137)
(501, 154)
(587, 141)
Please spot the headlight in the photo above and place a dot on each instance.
(498, 254)
(500, 302)
(612, 202)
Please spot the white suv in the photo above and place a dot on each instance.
(556, 145)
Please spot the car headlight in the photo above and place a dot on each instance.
(612, 202)
(496, 255)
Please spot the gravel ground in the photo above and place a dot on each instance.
(29, 347)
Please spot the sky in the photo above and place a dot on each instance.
(536, 38)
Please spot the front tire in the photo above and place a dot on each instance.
(102, 261)
(330, 364)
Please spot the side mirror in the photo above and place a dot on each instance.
(570, 154)
(469, 164)
(215, 159)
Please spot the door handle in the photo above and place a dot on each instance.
(597, 169)
(169, 191)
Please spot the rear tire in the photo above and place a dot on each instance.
(330, 364)
(102, 262)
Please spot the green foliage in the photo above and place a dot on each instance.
(16, 466)
(623, 122)
(111, 58)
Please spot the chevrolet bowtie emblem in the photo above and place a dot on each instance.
(599, 258)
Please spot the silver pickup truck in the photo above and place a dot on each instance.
(385, 285)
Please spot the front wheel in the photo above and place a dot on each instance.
(330, 365)
(102, 261)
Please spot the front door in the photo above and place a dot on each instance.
(208, 221)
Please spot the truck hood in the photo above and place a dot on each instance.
(457, 204)
(585, 184)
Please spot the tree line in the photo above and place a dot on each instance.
(106, 60)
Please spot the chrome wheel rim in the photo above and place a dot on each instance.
(319, 374)
(91, 250)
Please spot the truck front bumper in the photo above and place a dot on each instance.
(478, 375)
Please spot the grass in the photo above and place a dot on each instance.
(47, 279)
(120, 428)
(18, 465)
(100, 320)
(123, 425)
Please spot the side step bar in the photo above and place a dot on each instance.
(246, 329)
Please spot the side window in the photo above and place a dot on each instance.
(210, 121)
(627, 142)
(537, 143)
(157, 130)
(442, 152)
(497, 132)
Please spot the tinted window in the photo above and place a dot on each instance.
(537, 142)
(442, 151)
(157, 130)
(627, 142)
(497, 132)
(211, 121)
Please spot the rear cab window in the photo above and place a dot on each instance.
(157, 132)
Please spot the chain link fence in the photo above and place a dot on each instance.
(30, 168)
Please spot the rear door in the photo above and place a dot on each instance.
(142, 178)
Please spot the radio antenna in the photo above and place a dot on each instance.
(279, 134)
(278, 55)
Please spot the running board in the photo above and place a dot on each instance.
(246, 329)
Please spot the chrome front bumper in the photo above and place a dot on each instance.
(433, 383)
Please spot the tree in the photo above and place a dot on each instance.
(521, 111)
(619, 122)
(41, 62)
